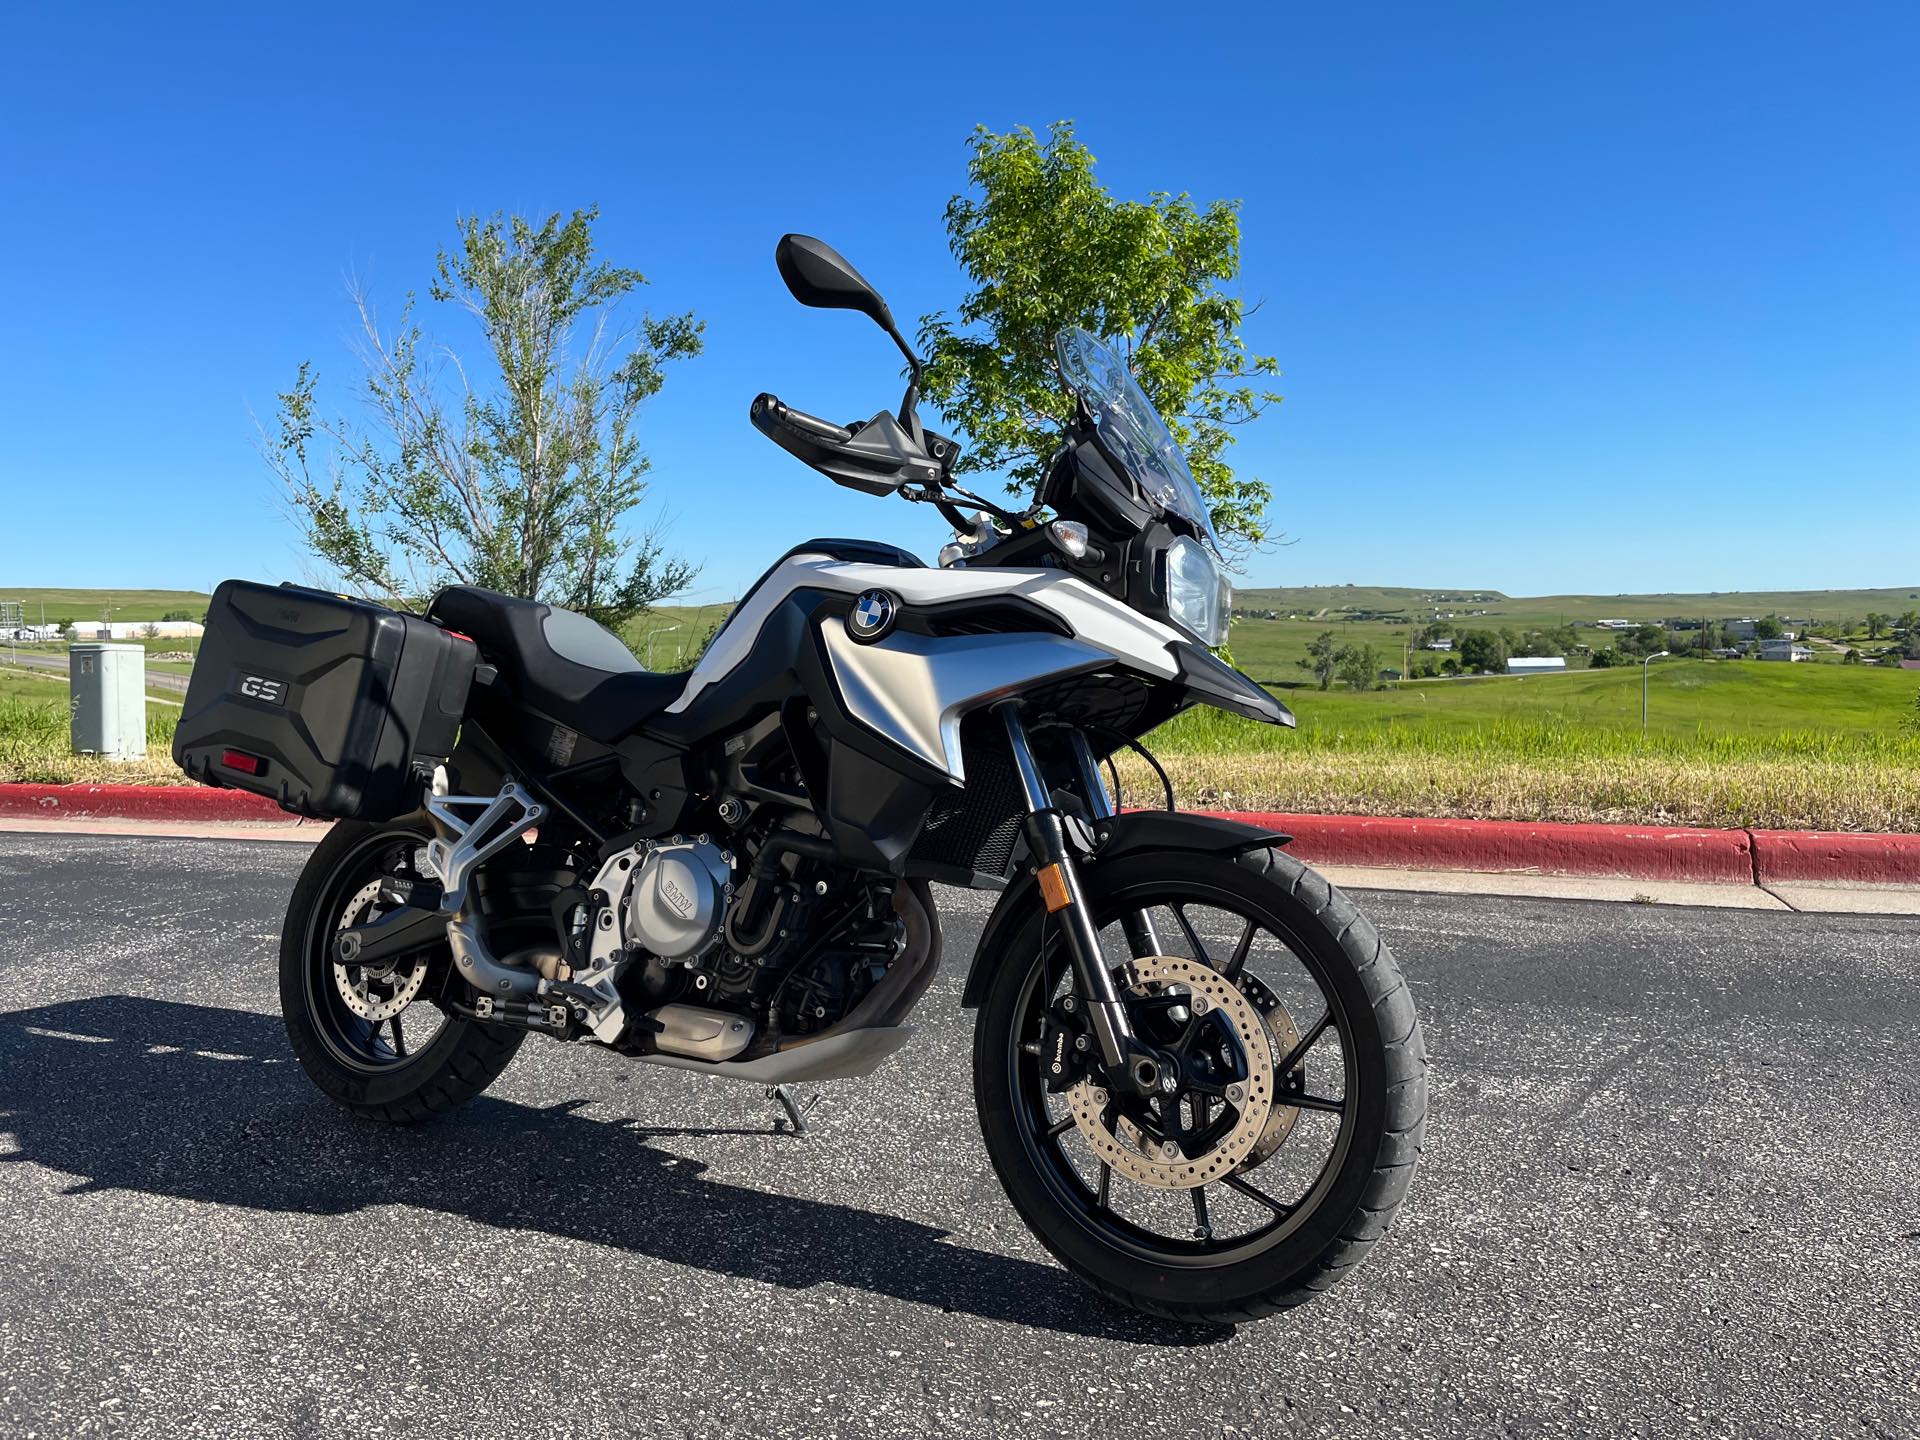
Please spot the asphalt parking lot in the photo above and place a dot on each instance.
(1670, 1187)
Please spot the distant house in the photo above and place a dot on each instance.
(1788, 650)
(1535, 664)
(1910, 664)
(1613, 624)
(1738, 629)
(1442, 644)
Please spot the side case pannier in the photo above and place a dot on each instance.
(334, 707)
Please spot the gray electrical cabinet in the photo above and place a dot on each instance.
(109, 700)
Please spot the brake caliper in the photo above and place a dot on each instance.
(1066, 1045)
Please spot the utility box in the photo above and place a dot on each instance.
(109, 700)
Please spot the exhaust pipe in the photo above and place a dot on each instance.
(482, 971)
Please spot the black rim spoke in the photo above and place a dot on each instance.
(1253, 1192)
(1060, 1127)
(1238, 960)
(1202, 1227)
(1299, 1052)
(1312, 1102)
(399, 1040)
(1106, 1185)
(1193, 937)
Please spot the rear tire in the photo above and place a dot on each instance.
(1335, 1223)
(344, 1054)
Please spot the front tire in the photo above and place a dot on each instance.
(364, 1060)
(1368, 1039)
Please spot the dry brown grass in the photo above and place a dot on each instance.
(1648, 790)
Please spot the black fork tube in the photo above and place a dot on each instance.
(1137, 925)
(1060, 888)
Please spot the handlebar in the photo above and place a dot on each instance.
(771, 408)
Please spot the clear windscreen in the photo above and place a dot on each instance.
(1130, 428)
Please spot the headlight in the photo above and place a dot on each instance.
(1198, 596)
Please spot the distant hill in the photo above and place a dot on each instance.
(1419, 602)
(87, 604)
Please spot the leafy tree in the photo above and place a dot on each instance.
(513, 473)
(1768, 627)
(1359, 666)
(1606, 659)
(1643, 640)
(1481, 650)
(1910, 622)
(1046, 246)
(1852, 657)
(1322, 658)
(1876, 624)
(150, 631)
(175, 616)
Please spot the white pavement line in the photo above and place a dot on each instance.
(307, 833)
(1720, 896)
(1822, 898)
(1826, 897)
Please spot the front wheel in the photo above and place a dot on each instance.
(1292, 1119)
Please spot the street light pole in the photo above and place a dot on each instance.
(1646, 667)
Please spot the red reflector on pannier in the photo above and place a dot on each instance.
(243, 762)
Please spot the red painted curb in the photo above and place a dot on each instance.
(1789, 855)
(195, 803)
(1636, 851)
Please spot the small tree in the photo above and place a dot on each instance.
(1481, 650)
(1359, 666)
(1323, 658)
(1876, 625)
(1047, 247)
(150, 631)
(1768, 627)
(514, 474)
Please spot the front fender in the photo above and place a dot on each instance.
(1128, 834)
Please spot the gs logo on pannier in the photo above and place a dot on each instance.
(259, 687)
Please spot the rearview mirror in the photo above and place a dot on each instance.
(818, 275)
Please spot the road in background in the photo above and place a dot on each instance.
(30, 660)
(1669, 1185)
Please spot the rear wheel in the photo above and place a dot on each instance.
(383, 1040)
(1283, 1151)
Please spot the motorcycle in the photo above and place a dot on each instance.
(1198, 1072)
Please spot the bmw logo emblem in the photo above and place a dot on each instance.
(872, 615)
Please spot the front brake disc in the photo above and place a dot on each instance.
(1163, 1165)
(1284, 1035)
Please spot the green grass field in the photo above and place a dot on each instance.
(1820, 746)
(35, 735)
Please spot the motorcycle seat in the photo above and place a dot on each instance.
(563, 664)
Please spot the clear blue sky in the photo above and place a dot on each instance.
(1594, 298)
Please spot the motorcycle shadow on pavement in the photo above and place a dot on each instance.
(207, 1104)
